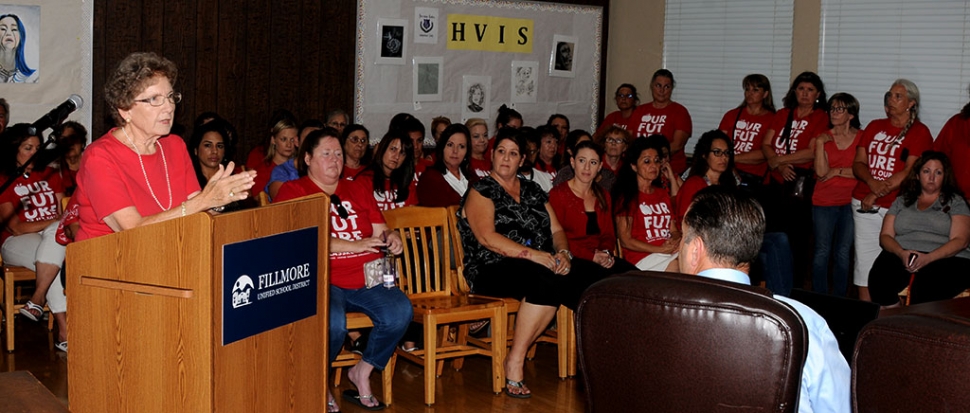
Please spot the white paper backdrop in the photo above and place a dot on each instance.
(383, 90)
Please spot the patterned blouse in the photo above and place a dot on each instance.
(525, 222)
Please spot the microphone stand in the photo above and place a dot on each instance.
(21, 170)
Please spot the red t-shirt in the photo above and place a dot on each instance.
(264, 172)
(110, 179)
(385, 199)
(256, 157)
(885, 153)
(954, 141)
(616, 119)
(606, 165)
(651, 221)
(837, 191)
(420, 166)
(346, 268)
(571, 213)
(648, 120)
(481, 167)
(34, 198)
(749, 132)
(68, 178)
(802, 132)
(686, 194)
(352, 172)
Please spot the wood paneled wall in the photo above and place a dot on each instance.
(243, 59)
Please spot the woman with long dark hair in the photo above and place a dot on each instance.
(391, 172)
(643, 211)
(445, 182)
(713, 165)
(747, 125)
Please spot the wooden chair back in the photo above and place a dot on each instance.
(425, 265)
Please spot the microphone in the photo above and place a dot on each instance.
(57, 115)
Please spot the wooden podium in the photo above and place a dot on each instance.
(146, 316)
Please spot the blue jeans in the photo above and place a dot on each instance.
(776, 260)
(389, 309)
(834, 230)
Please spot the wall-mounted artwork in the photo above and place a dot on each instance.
(525, 81)
(391, 42)
(427, 79)
(561, 57)
(19, 44)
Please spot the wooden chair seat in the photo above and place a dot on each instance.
(10, 306)
(357, 321)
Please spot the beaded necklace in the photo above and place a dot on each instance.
(145, 173)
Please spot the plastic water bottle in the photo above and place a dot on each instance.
(388, 271)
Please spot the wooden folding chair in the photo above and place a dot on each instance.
(563, 336)
(425, 277)
(12, 275)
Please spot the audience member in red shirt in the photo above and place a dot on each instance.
(356, 139)
(665, 117)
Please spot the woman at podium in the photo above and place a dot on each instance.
(138, 173)
(358, 234)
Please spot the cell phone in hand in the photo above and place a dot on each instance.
(912, 258)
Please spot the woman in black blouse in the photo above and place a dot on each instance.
(515, 247)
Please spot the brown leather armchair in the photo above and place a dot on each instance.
(659, 342)
(912, 363)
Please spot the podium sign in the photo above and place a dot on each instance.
(268, 282)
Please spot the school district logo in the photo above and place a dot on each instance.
(241, 291)
(427, 24)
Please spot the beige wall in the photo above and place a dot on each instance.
(635, 49)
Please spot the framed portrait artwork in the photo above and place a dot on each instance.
(427, 78)
(561, 56)
(391, 41)
(476, 97)
(524, 81)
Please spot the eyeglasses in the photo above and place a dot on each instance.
(720, 153)
(839, 109)
(627, 96)
(336, 125)
(613, 141)
(357, 141)
(159, 100)
(335, 200)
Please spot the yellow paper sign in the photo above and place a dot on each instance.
(489, 33)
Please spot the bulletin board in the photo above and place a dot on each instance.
(466, 58)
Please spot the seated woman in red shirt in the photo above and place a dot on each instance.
(357, 233)
(480, 164)
(445, 182)
(584, 209)
(643, 211)
(391, 174)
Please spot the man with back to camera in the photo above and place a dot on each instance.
(722, 236)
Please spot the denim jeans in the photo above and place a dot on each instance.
(834, 231)
(388, 308)
(776, 260)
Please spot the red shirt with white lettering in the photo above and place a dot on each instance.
(34, 198)
(648, 120)
(887, 155)
(802, 132)
(346, 268)
(749, 132)
(481, 167)
(386, 198)
(651, 221)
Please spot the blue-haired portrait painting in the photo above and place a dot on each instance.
(19, 52)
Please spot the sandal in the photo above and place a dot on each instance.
(517, 384)
(62, 346)
(356, 398)
(478, 326)
(332, 406)
(28, 311)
